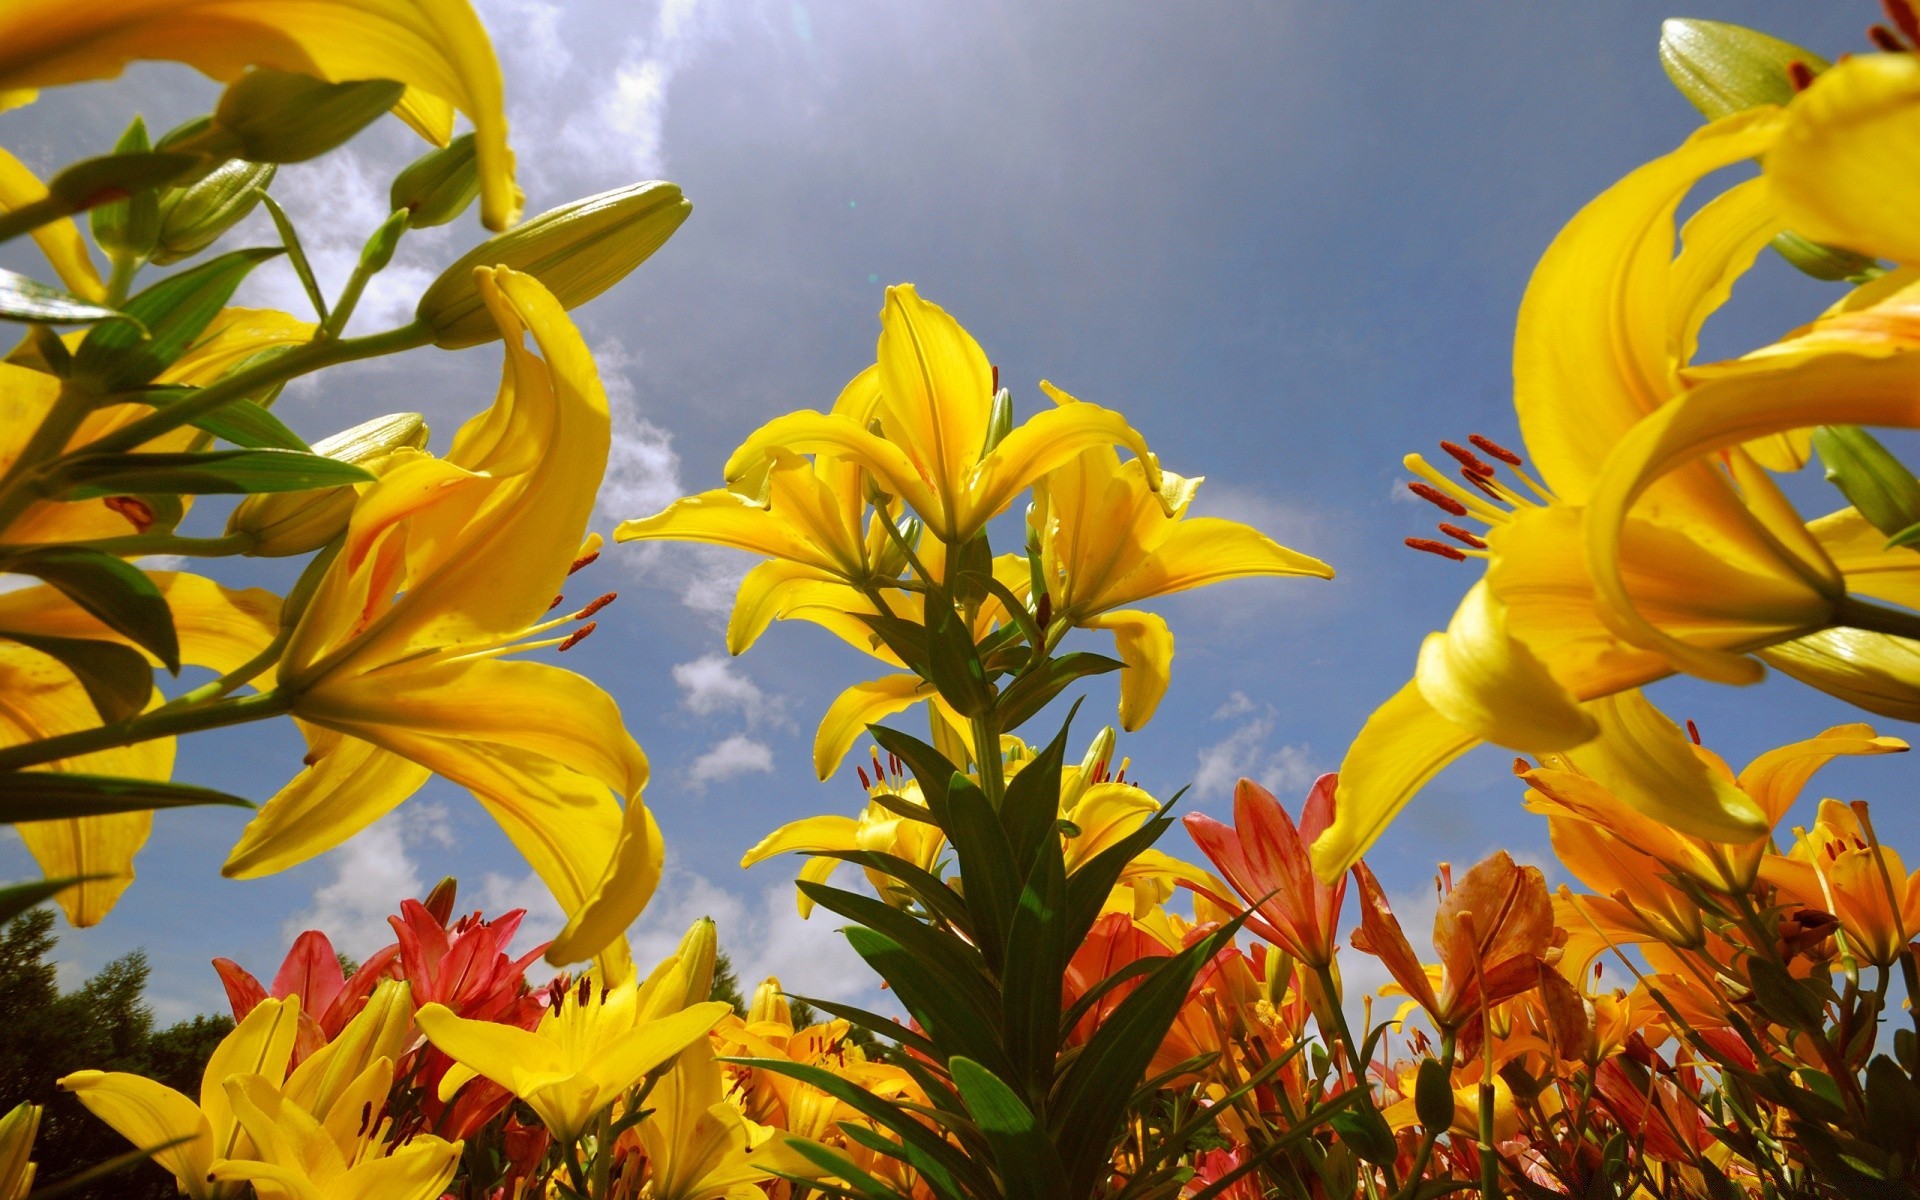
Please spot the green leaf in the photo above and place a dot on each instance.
(1872, 479)
(837, 1164)
(953, 663)
(242, 422)
(931, 1172)
(203, 472)
(873, 1023)
(59, 795)
(1029, 1166)
(24, 299)
(1433, 1096)
(110, 588)
(114, 176)
(174, 312)
(117, 679)
(957, 965)
(1784, 998)
(1033, 691)
(1030, 810)
(17, 898)
(1030, 979)
(926, 887)
(956, 1023)
(907, 640)
(931, 769)
(53, 1189)
(1366, 1134)
(990, 882)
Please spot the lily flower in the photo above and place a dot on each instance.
(1493, 931)
(932, 396)
(1838, 867)
(878, 829)
(438, 48)
(311, 971)
(148, 1113)
(1716, 558)
(396, 665)
(586, 1051)
(700, 1147)
(1108, 540)
(297, 1156)
(1264, 857)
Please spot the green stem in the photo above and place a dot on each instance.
(120, 282)
(349, 300)
(29, 217)
(161, 722)
(986, 754)
(1331, 990)
(161, 543)
(237, 678)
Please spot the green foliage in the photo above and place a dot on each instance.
(104, 1024)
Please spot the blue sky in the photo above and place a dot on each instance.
(1287, 240)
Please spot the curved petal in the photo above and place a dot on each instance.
(59, 240)
(1864, 559)
(419, 1170)
(503, 1053)
(652, 1043)
(856, 708)
(632, 875)
(1491, 684)
(1845, 164)
(218, 627)
(261, 1044)
(1874, 671)
(1047, 440)
(348, 786)
(1648, 763)
(148, 1113)
(1145, 644)
(1205, 550)
(936, 391)
(1592, 349)
(1775, 778)
(438, 46)
(844, 438)
(809, 835)
(764, 596)
(1402, 745)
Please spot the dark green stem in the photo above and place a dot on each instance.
(161, 722)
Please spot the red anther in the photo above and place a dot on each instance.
(1596, 969)
(557, 601)
(1902, 15)
(583, 561)
(1434, 495)
(1693, 731)
(586, 990)
(597, 605)
(577, 636)
(862, 773)
(1800, 75)
(366, 1117)
(1467, 536)
(1432, 547)
(311, 757)
(138, 512)
(1489, 446)
(893, 763)
(1520, 766)
(1480, 482)
(1885, 39)
(996, 379)
(1467, 458)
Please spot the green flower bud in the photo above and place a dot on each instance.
(577, 250)
(280, 117)
(439, 185)
(1722, 68)
(284, 523)
(193, 217)
(128, 228)
(1872, 479)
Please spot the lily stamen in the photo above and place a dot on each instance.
(1429, 546)
(1480, 509)
(577, 636)
(1466, 536)
(1472, 462)
(1435, 496)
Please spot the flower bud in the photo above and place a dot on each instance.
(577, 251)
(1722, 68)
(769, 1003)
(439, 185)
(698, 951)
(193, 217)
(684, 978)
(1872, 479)
(127, 228)
(284, 523)
(280, 117)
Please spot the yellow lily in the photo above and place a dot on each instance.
(344, 1156)
(1107, 540)
(1841, 169)
(395, 667)
(586, 1051)
(1838, 868)
(698, 1146)
(1718, 559)
(438, 48)
(217, 628)
(932, 398)
(878, 829)
(17, 1130)
(148, 1113)
(59, 240)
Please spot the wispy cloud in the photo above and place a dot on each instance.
(369, 876)
(1245, 754)
(729, 758)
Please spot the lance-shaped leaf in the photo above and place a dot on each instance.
(952, 1021)
(953, 665)
(991, 882)
(173, 312)
(1033, 691)
(16, 898)
(110, 588)
(206, 472)
(1030, 980)
(931, 769)
(1030, 811)
(24, 299)
(1029, 1166)
(60, 795)
(243, 422)
(117, 679)
(1871, 478)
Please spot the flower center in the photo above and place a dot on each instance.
(1488, 498)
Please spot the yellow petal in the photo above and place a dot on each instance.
(59, 240)
(1489, 683)
(632, 874)
(218, 627)
(1046, 440)
(261, 1044)
(1874, 671)
(1648, 763)
(1145, 645)
(348, 787)
(234, 336)
(1199, 551)
(1402, 745)
(1775, 778)
(1861, 553)
(1593, 350)
(148, 1113)
(765, 595)
(936, 389)
(839, 435)
(419, 1170)
(427, 115)
(799, 518)
(1844, 167)
(652, 1043)
(810, 835)
(438, 46)
(502, 1053)
(856, 708)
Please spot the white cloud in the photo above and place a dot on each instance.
(372, 873)
(736, 755)
(714, 684)
(643, 471)
(1285, 770)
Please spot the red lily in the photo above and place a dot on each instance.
(311, 971)
(1264, 857)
